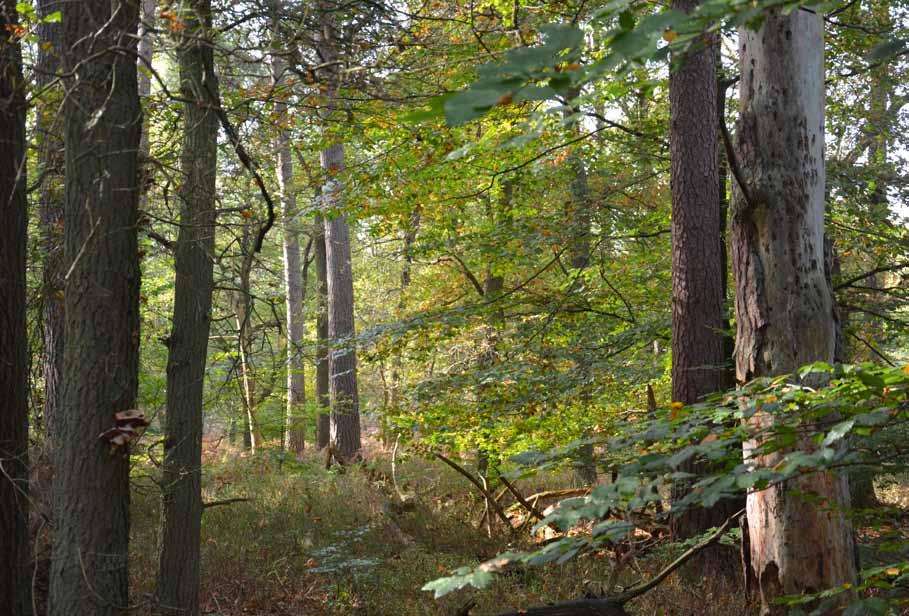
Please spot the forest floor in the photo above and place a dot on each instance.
(286, 537)
(315, 541)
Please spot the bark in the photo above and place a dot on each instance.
(579, 211)
(323, 399)
(252, 436)
(397, 365)
(342, 359)
(578, 219)
(178, 573)
(15, 582)
(101, 356)
(784, 307)
(48, 129)
(698, 272)
(345, 405)
(294, 428)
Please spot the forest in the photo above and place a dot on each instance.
(454, 307)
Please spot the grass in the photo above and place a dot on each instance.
(316, 541)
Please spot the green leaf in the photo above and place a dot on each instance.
(53, 18)
(462, 577)
(838, 431)
(626, 20)
(886, 50)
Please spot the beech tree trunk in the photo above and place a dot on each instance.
(698, 264)
(89, 573)
(49, 137)
(294, 429)
(323, 396)
(15, 579)
(178, 573)
(784, 305)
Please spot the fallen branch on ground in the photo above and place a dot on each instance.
(226, 501)
(489, 497)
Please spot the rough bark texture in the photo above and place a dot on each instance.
(323, 396)
(294, 429)
(342, 358)
(784, 308)
(698, 272)
(345, 404)
(15, 582)
(178, 573)
(49, 137)
(101, 356)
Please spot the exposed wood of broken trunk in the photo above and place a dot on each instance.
(784, 307)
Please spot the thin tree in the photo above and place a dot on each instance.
(15, 596)
(48, 135)
(89, 571)
(178, 573)
(323, 395)
(293, 276)
(784, 305)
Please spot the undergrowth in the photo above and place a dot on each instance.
(288, 537)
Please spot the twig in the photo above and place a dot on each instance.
(490, 499)
(615, 606)
(531, 509)
(640, 589)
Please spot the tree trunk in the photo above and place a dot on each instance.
(342, 359)
(345, 405)
(323, 397)
(784, 307)
(15, 582)
(697, 253)
(578, 217)
(294, 428)
(178, 573)
(252, 436)
(49, 131)
(89, 573)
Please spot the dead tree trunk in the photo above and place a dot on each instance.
(784, 307)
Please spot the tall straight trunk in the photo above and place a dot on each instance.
(15, 583)
(342, 359)
(579, 214)
(784, 307)
(294, 429)
(48, 129)
(178, 571)
(698, 273)
(103, 120)
(393, 390)
(578, 219)
(323, 396)
(252, 436)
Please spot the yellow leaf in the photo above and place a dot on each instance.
(906, 369)
(674, 409)
(893, 571)
(669, 35)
